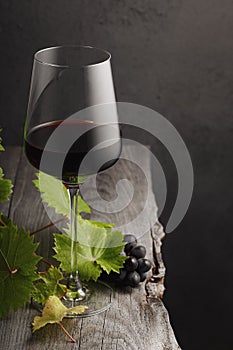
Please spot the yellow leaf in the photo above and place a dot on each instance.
(78, 309)
(53, 312)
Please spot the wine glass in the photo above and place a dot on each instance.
(72, 132)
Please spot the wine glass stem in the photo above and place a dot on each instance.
(73, 194)
(73, 282)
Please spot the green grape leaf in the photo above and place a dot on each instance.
(17, 266)
(1, 146)
(87, 268)
(98, 249)
(49, 285)
(54, 193)
(101, 224)
(84, 224)
(114, 242)
(54, 311)
(5, 187)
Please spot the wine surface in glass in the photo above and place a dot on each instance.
(98, 142)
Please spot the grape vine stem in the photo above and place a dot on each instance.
(2, 223)
(49, 225)
(66, 332)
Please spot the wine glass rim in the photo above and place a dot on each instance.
(88, 47)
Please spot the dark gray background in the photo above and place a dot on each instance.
(175, 56)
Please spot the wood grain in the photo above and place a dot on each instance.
(132, 322)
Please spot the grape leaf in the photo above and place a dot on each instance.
(110, 259)
(17, 266)
(87, 268)
(49, 285)
(1, 146)
(98, 249)
(101, 224)
(5, 187)
(54, 193)
(54, 311)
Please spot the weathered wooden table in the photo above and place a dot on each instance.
(137, 319)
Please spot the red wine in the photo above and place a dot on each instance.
(76, 147)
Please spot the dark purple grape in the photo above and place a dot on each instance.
(130, 238)
(122, 274)
(139, 251)
(129, 247)
(132, 279)
(131, 264)
(144, 265)
(114, 276)
(143, 277)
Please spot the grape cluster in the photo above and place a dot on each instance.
(136, 265)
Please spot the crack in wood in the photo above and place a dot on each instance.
(154, 285)
(102, 342)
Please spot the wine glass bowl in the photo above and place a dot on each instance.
(69, 135)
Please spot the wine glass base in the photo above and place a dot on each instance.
(98, 299)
